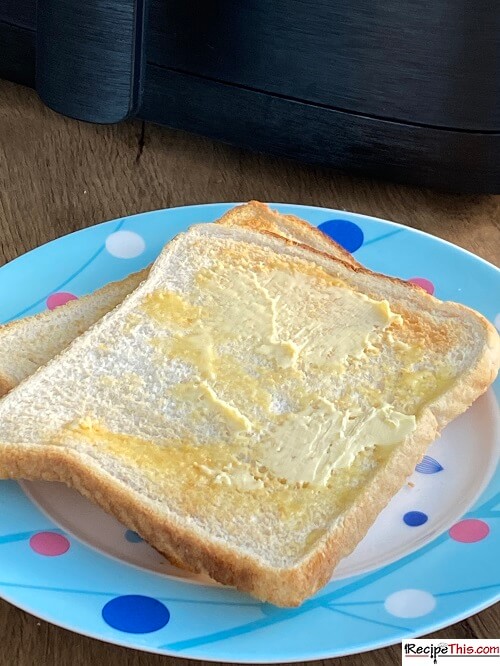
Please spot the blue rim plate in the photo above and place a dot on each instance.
(437, 543)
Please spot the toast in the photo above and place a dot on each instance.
(29, 343)
(251, 407)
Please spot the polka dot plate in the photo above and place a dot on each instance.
(430, 559)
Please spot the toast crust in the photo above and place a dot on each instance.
(266, 219)
(6, 384)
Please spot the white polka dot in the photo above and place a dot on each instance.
(125, 244)
(497, 321)
(410, 603)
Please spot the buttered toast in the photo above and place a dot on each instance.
(28, 343)
(252, 406)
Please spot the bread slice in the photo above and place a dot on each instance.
(251, 407)
(28, 343)
(259, 217)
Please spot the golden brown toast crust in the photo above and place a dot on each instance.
(6, 385)
(266, 219)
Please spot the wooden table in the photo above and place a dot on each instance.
(58, 175)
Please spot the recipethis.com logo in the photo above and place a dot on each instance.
(468, 652)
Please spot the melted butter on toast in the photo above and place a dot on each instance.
(195, 479)
(245, 333)
(252, 337)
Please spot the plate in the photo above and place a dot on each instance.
(430, 559)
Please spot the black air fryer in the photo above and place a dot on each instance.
(403, 89)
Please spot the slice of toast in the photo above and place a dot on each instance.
(259, 217)
(28, 343)
(251, 407)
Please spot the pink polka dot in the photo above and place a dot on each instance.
(424, 283)
(469, 531)
(59, 298)
(49, 543)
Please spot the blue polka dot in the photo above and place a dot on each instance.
(415, 518)
(133, 537)
(135, 614)
(346, 233)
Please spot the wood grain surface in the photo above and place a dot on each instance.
(58, 175)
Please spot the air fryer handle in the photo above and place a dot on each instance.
(90, 57)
